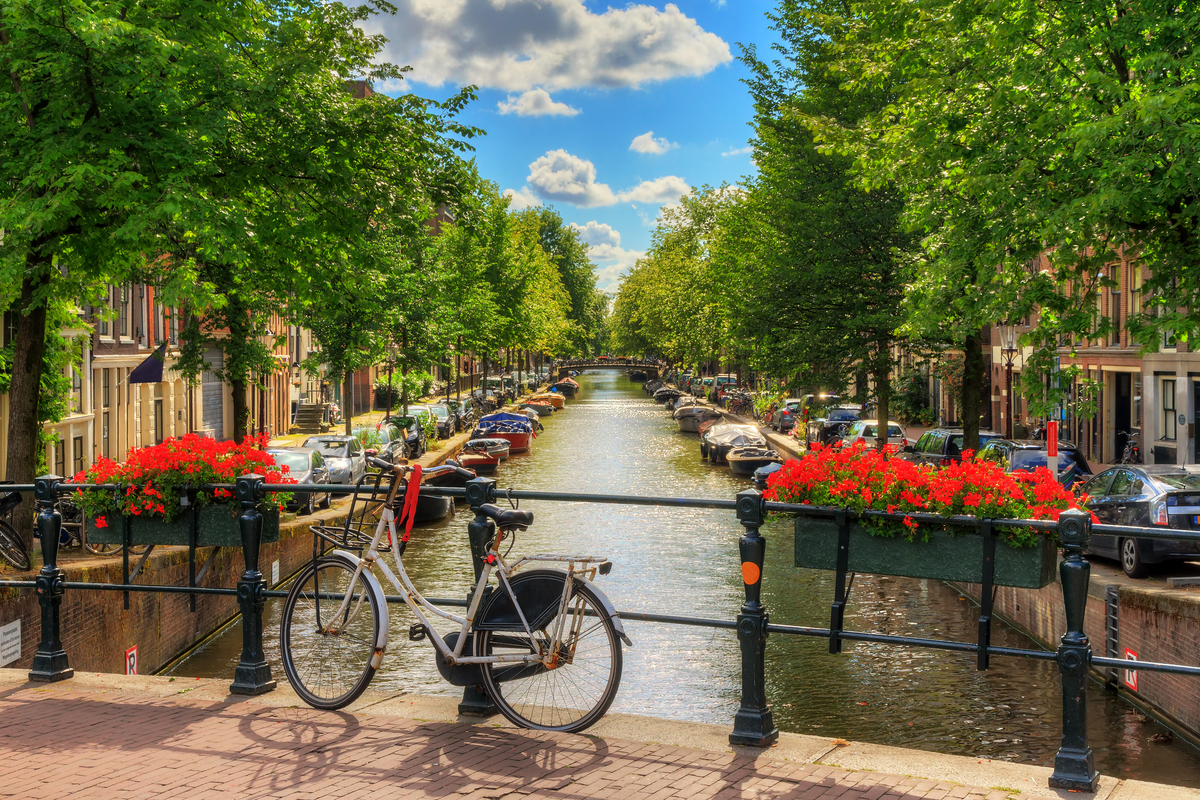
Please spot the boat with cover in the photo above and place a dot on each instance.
(516, 428)
(667, 393)
(690, 416)
(567, 387)
(745, 460)
(484, 455)
(553, 398)
(542, 409)
(724, 436)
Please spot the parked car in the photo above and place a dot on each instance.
(727, 380)
(306, 465)
(392, 448)
(828, 423)
(786, 415)
(412, 429)
(1144, 495)
(1026, 455)
(447, 420)
(344, 457)
(867, 430)
(942, 446)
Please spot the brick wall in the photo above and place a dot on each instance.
(97, 630)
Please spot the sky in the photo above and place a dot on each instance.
(605, 112)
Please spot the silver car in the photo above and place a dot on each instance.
(306, 465)
(344, 456)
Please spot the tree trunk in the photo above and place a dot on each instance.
(24, 392)
(972, 389)
(241, 409)
(883, 395)
(348, 401)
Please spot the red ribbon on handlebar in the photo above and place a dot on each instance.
(408, 513)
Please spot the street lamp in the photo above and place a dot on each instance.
(1008, 347)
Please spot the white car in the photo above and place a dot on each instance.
(866, 430)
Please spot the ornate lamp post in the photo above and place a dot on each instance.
(1008, 347)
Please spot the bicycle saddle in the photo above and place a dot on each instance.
(507, 517)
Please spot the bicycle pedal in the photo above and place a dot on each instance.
(605, 567)
(417, 633)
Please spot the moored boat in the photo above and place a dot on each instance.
(542, 409)
(567, 387)
(517, 429)
(724, 436)
(484, 455)
(746, 460)
(637, 375)
(689, 417)
(553, 398)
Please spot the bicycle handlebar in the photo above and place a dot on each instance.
(380, 463)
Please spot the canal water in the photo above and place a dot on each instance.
(613, 439)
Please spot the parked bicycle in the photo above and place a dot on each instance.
(12, 547)
(1133, 452)
(543, 644)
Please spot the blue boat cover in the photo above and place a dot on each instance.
(503, 423)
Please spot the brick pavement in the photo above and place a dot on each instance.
(62, 743)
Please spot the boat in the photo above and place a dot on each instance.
(516, 428)
(762, 473)
(745, 460)
(430, 507)
(553, 398)
(542, 409)
(567, 387)
(689, 417)
(724, 436)
(447, 474)
(667, 393)
(484, 455)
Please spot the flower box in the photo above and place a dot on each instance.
(945, 556)
(217, 526)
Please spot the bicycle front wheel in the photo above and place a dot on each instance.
(327, 649)
(576, 687)
(11, 548)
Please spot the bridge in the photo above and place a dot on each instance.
(646, 365)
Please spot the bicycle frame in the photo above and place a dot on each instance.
(546, 651)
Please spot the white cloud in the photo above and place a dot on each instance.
(667, 189)
(558, 175)
(516, 45)
(597, 233)
(646, 143)
(535, 103)
(741, 151)
(614, 263)
(521, 198)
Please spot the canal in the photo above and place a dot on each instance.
(613, 439)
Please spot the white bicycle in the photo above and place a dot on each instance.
(544, 644)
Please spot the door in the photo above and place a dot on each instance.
(1122, 411)
(1196, 421)
(1097, 491)
(158, 421)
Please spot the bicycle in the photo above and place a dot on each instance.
(543, 645)
(1132, 453)
(12, 548)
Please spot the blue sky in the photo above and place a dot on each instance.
(604, 111)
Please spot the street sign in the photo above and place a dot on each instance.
(10, 642)
(275, 572)
(1130, 675)
(131, 661)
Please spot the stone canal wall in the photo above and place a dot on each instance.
(1123, 621)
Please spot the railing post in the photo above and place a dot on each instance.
(475, 701)
(253, 673)
(50, 660)
(753, 725)
(1074, 766)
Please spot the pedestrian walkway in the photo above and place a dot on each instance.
(104, 736)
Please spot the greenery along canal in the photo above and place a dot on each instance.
(614, 439)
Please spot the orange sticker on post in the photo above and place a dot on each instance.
(750, 572)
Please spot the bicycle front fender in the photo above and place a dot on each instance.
(373, 582)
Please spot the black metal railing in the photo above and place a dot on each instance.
(753, 723)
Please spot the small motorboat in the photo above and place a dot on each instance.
(553, 398)
(761, 474)
(447, 474)
(689, 417)
(542, 409)
(567, 387)
(724, 436)
(484, 455)
(516, 428)
(746, 460)
(667, 393)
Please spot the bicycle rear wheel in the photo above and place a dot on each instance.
(12, 549)
(328, 656)
(574, 693)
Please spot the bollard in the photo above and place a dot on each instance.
(50, 660)
(1074, 766)
(753, 725)
(480, 530)
(253, 673)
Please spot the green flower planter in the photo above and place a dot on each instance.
(944, 557)
(217, 526)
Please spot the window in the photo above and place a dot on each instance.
(76, 388)
(104, 448)
(1114, 310)
(123, 314)
(60, 455)
(1169, 424)
(104, 388)
(10, 328)
(77, 455)
(103, 327)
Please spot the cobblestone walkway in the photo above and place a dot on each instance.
(57, 744)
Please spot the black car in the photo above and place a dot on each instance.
(1026, 455)
(412, 431)
(1144, 495)
(827, 424)
(447, 420)
(942, 446)
(306, 465)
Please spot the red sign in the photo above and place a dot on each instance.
(1052, 438)
(1130, 675)
(131, 661)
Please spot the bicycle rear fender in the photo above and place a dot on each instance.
(539, 591)
(373, 582)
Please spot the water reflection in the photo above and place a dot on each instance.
(613, 439)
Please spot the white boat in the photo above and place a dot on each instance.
(689, 417)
